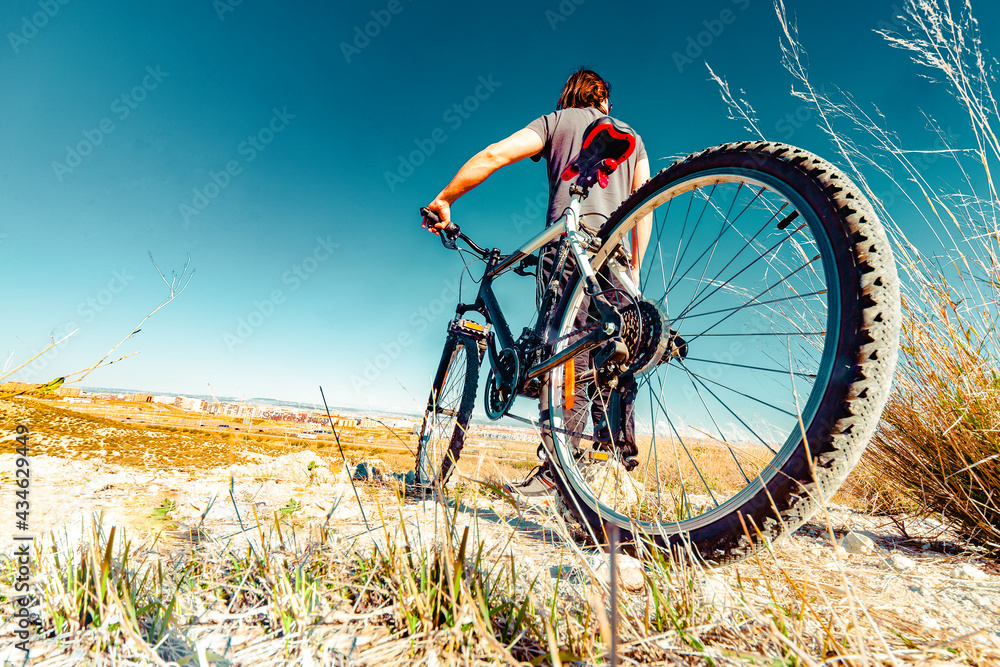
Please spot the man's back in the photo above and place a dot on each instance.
(562, 133)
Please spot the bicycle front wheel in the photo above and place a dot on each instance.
(761, 346)
(449, 408)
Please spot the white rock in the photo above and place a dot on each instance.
(153, 488)
(857, 544)
(966, 571)
(631, 574)
(613, 485)
(900, 563)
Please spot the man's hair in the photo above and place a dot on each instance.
(584, 88)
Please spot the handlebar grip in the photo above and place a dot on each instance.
(430, 217)
(450, 231)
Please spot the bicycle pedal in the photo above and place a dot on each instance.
(598, 456)
(470, 327)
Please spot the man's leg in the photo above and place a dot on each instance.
(613, 409)
(613, 414)
(539, 485)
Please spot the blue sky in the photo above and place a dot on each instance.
(287, 152)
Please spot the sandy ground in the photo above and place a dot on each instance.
(922, 579)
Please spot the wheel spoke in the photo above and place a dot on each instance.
(751, 301)
(659, 235)
(748, 243)
(688, 452)
(765, 334)
(693, 231)
(738, 418)
(781, 371)
(751, 305)
(741, 271)
(447, 414)
(728, 224)
(721, 434)
(743, 394)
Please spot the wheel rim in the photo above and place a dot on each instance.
(759, 308)
(441, 418)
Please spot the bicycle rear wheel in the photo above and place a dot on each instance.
(778, 280)
(449, 408)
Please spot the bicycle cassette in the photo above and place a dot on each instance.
(648, 336)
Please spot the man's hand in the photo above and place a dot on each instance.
(442, 209)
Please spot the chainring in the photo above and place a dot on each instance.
(501, 386)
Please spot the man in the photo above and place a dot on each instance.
(558, 137)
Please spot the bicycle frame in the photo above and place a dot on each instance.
(497, 264)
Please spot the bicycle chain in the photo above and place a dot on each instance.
(564, 431)
(586, 329)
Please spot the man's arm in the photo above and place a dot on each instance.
(643, 228)
(523, 143)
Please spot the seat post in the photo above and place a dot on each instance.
(577, 194)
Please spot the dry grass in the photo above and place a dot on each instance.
(940, 434)
(404, 595)
(437, 590)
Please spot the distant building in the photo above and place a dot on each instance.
(237, 410)
(68, 391)
(140, 398)
(190, 404)
(166, 400)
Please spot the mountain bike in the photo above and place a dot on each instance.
(759, 346)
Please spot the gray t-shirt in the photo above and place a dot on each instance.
(562, 133)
